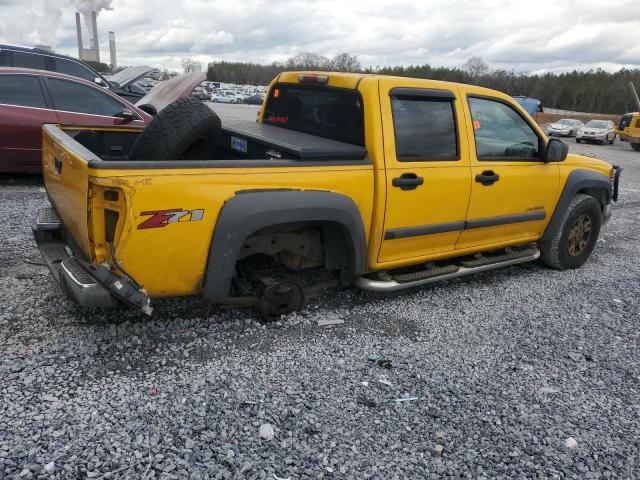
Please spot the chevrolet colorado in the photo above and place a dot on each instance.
(380, 182)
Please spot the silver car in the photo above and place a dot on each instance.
(597, 131)
(567, 127)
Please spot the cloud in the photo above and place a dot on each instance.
(513, 35)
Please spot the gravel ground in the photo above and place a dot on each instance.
(523, 372)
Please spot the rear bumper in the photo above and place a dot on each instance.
(85, 284)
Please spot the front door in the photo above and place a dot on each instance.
(77, 103)
(513, 191)
(427, 169)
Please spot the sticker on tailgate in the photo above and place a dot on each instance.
(239, 144)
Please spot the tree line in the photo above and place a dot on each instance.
(594, 91)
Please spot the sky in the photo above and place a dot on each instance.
(524, 36)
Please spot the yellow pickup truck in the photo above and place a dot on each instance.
(380, 182)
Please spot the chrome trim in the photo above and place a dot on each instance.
(85, 294)
(392, 286)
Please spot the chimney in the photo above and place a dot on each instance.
(94, 25)
(112, 52)
(79, 32)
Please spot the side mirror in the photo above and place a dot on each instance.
(126, 115)
(556, 151)
(99, 81)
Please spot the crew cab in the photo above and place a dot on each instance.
(380, 182)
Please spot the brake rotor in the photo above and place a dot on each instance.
(279, 299)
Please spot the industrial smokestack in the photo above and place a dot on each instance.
(634, 95)
(112, 52)
(94, 26)
(79, 32)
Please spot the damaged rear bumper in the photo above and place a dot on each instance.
(84, 283)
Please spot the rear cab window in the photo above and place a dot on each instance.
(424, 125)
(326, 112)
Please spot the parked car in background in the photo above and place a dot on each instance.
(597, 131)
(566, 127)
(31, 98)
(222, 98)
(128, 79)
(531, 105)
(39, 59)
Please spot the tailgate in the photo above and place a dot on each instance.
(64, 167)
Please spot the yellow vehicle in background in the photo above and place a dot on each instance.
(380, 182)
(629, 126)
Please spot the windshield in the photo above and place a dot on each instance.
(567, 121)
(323, 111)
(598, 124)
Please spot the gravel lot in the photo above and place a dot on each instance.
(509, 368)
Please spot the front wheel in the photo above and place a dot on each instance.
(574, 241)
(578, 140)
(636, 146)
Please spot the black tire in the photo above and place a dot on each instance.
(187, 129)
(636, 146)
(578, 140)
(568, 249)
(613, 140)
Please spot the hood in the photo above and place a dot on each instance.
(590, 162)
(171, 90)
(593, 129)
(130, 75)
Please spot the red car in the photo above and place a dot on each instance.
(31, 98)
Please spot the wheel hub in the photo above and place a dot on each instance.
(279, 299)
(579, 235)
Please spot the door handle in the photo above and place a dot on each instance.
(488, 177)
(407, 181)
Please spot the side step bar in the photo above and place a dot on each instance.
(400, 282)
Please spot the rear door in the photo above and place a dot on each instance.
(513, 191)
(427, 169)
(23, 110)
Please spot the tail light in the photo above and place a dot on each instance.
(311, 78)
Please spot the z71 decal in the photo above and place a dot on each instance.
(162, 218)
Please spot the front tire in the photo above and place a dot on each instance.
(636, 146)
(574, 241)
(578, 140)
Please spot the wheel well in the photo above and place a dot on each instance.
(600, 194)
(303, 245)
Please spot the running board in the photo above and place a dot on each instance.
(364, 283)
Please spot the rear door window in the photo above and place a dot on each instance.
(322, 111)
(425, 129)
(74, 97)
(28, 60)
(21, 90)
(74, 69)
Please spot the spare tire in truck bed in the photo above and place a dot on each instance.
(187, 129)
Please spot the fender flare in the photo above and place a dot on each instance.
(250, 211)
(576, 181)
